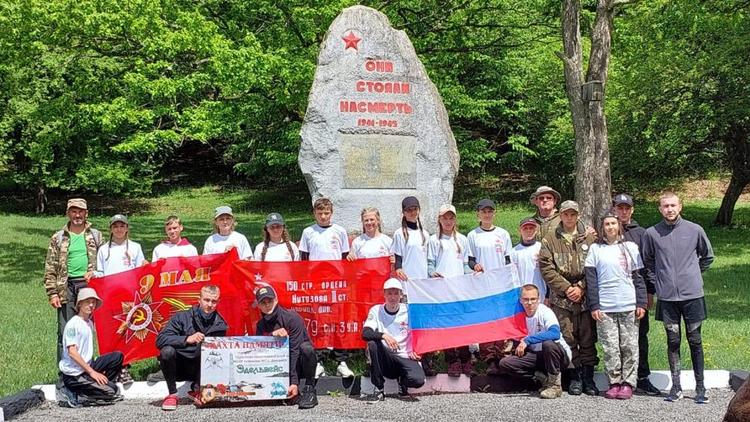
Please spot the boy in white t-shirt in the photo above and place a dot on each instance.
(225, 237)
(543, 349)
(325, 241)
(526, 257)
(175, 245)
(87, 381)
(386, 332)
(489, 246)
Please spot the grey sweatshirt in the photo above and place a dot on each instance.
(677, 254)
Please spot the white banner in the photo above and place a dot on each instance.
(244, 368)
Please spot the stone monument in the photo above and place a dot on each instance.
(376, 129)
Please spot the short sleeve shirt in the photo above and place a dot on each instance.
(324, 243)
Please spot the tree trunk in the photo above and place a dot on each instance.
(593, 181)
(41, 199)
(738, 152)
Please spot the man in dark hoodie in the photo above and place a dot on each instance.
(179, 343)
(678, 251)
(280, 322)
(624, 207)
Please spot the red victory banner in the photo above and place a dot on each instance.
(333, 297)
(138, 303)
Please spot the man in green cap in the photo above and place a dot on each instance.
(70, 264)
(561, 261)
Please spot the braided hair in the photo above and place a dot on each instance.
(267, 241)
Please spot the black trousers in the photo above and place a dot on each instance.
(177, 367)
(110, 365)
(68, 310)
(386, 364)
(643, 369)
(339, 355)
(306, 363)
(551, 359)
(460, 354)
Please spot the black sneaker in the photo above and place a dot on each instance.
(700, 395)
(644, 386)
(374, 397)
(66, 398)
(675, 394)
(428, 366)
(155, 377)
(309, 398)
(403, 391)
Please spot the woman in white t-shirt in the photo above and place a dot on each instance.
(276, 246)
(119, 253)
(616, 295)
(175, 245)
(448, 256)
(225, 237)
(410, 243)
(371, 243)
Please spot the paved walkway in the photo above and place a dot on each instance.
(446, 407)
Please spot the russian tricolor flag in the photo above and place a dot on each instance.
(457, 311)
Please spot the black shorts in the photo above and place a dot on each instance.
(692, 311)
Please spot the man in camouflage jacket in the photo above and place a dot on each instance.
(70, 263)
(561, 262)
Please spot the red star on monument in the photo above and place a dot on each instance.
(351, 40)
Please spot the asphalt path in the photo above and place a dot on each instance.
(444, 407)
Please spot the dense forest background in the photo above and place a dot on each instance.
(120, 97)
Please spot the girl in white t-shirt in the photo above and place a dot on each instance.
(119, 253)
(410, 243)
(489, 246)
(225, 237)
(448, 256)
(371, 243)
(617, 298)
(276, 246)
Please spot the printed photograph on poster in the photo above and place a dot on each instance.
(244, 368)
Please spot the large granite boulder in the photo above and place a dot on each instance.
(376, 129)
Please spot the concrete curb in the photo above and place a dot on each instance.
(439, 384)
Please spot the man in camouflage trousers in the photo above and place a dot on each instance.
(561, 261)
(70, 264)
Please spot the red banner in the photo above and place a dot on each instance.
(139, 302)
(333, 297)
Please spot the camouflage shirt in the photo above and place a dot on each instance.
(546, 224)
(56, 264)
(561, 262)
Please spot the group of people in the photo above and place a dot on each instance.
(578, 284)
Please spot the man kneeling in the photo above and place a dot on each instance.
(180, 341)
(281, 322)
(87, 382)
(389, 344)
(543, 350)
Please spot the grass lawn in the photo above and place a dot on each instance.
(27, 322)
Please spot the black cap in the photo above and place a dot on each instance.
(265, 292)
(409, 201)
(528, 220)
(622, 198)
(485, 203)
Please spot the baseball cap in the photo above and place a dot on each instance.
(224, 209)
(485, 203)
(118, 218)
(545, 189)
(528, 220)
(622, 198)
(87, 293)
(77, 203)
(569, 205)
(409, 201)
(393, 283)
(274, 218)
(447, 208)
(264, 293)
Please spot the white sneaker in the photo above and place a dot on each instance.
(320, 371)
(344, 371)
